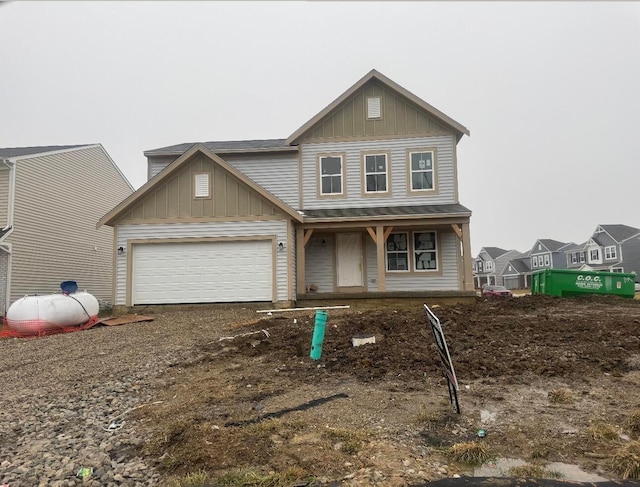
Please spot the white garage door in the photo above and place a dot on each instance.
(202, 272)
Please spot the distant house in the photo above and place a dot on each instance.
(360, 200)
(517, 273)
(613, 248)
(548, 254)
(489, 265)
(50, 201)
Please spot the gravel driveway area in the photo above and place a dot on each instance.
(66, 398)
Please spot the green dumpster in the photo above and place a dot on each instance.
(566, 282)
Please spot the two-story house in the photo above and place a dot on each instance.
(489, 264)
(517, 273)
(548, 254)
(51, 198)
(612, 248)
(361, 199)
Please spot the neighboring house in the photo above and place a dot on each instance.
(50, 201)
(488, 266)
(614, 248)
(362, 199)
(548, 254)
(517, 273)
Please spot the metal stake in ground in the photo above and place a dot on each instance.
(445, 359)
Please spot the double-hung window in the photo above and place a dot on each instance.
(398, 252)
(547, 260)
(375, 173)
(331, 175)
(422, 171)
(610, 253)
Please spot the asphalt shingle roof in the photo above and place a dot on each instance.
(390, 211)
(620, 232)
(28, 151)
(495, 252)
(551, 244)
(224, 146)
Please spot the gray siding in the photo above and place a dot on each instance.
(277, 228)
(278, 174)
(5, 174)
(371, 260)
(631, 255)
(398, 148)
(59, 199)
(320, 263)
(157, 164)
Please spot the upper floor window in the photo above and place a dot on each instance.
(547, 261)
(375, 173)
(594, 255)
(489, 265)
(534, 261)
(610, 253)
(425, 251)
(331, 175)
(422, 171)
(202, 185)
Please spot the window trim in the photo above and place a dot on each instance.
(411, 254)
(209, 194)
(343, 174)
(612, 255)
(436, 251)
(547, 260)
(434, 171)
(489, 265)
(363, 172)
(407, 251)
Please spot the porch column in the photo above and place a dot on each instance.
(382, 285)
(466, 256)
(300, 262)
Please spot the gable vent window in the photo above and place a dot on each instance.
(373, 108)
(202, 185)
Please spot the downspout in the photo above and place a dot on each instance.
(6, 246)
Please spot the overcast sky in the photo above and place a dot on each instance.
(550, 91)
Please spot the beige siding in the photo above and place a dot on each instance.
(59, 199)
(5, 176)
(320, 263)
(4, 269)
(174, 199)
(399, 117)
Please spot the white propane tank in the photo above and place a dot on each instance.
(34, 314)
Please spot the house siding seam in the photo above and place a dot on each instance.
(243, 229)
(445, 172)
(58, 200)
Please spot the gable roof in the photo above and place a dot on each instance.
(226, 146)
(519, 265)
(133, 198)
(7, 153)
(494, 252)
(458, 128)
(551, 245)
(619, 233)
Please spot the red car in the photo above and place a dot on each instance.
(496, 292)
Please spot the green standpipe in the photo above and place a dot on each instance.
(318, 334)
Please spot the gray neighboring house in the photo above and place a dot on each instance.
(361, 200)
(548, 254)
(489, 265)
(613, 248)
(517, 273)
(51, 198)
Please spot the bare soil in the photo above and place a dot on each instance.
(544, 376)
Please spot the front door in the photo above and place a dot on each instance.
(349, 259)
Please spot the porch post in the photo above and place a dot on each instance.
(466, 256)
(382, 285)
(300, 262)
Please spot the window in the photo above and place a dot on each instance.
(574, 257)
(397, 252)
(546, 260)
(489, 265)
(421, 171)
(425, 252)
(581, 257)
(594, 255)
(617, 269)
(375, 173)
(202, 185)
(373, 108)
(610, 253)
(331, 175)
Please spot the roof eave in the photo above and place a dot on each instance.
(225, 151)
(421, 216)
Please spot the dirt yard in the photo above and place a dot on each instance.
(548, 379)
(224, 394)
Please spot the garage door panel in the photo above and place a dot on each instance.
(202, 272)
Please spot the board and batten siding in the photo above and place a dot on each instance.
(242, 229)
(59, 199)
(445, 172)
(5, 176)
(277, 173)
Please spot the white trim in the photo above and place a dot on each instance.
(432, 170)
(342, 174)
(376, 173)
